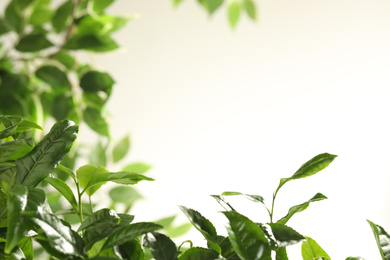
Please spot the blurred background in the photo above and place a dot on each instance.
(215, 109)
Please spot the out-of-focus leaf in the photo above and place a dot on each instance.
(311, 250)
(13, 17)
(161, 246)
(61, 18)
(98, 155)
(300, 207)
(53, 76)
(176, 2)
(138, 167)
(121, 149)
(247, 239)
(98, 6)
(382, 239)
(203, 225)
(33, 42)
(234, 11)
(64, 189)
(354, 258)
(311, 167)
(65, 59)
(94, 81)
(211, 5)
(40, 15)
(13, 150)
(100, 25)
(63, 105)
(95, 121)
(199, 253)
(37, 164)
(177, 231)
(125, 194)
(4, 27)
(250, 9)
(95, 43)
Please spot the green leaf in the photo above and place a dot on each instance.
(94, 81)
(300, 207)
(62, 17)
(129, 232)
(67, 171)
(13, 150)
(382, 239)
(255, 198)
(26, 246)
(281, 254)
(95, 121)
(33, 42)
(211, 5)
(311, 250)
(176, 2)
(25, 125)
(177, 231)
(138, 167)
(125, 194)
(250, 9)
(64, 189)
(247, 238)
(234, 11)
(311, 167)
(203, 225)
(121, 149)
(354, 258)
(161, 246)
(37, 164)
(4, 27)
(7, 179)
(40, 15)
(100, 25)
(84, 175)
(95, 43)
(132, 250)
(98, 155)
(14, 17)
(284, 235)
(199, 253)
(53, 76)
(65, 59)
(102, 219)
(98, 6)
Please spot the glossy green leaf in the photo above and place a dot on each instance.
(211, 5)
(255, 198)
(132, 250)
(161, 246)
(247, 238)
(65, 59)
(101, 219)
(53, 76)
(67, 171)
(121, 149)
(138, 167)
(62, 16)
(64, 189)
(203, 225)
(94, 81)
(250, 9)
(84, 175)
(311, 167)
(25, 125)
(13, 150)
(95, 121)
(94, 43)
(98, 154)
(199, 253)
(129, 232)
(125, 194)
(33, 42)
(311, 250)
(300, 207)
(98, 6)
(37, 164)
(14, 17)
(382, 239)
(234, 11)
(281, 254)
(27, 247)
(284, 235)
(222, 202)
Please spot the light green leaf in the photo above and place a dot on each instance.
(177, 231)
(33, 42)
(13, 150)
(138, 167)
(311, 250)
(124, 194)
(211, 5)
(198, 253)
(62, 17)
(98, 6)
(46, 155)
(95, 121)
(176, 2)
(98, 155)
(161, 246)
(234, 11)
(64, 189)
(121, 149)
(203, 225)
(84, 175)
(67, 171)
(300, 207)
(311, 167)
(100, 25)
(129, 232)
(382, 239)
(40, 15)
(247, 238)
(53, 76)
(250, 9)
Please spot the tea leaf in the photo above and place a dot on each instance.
(94, 81)
(199, 253)
(284, 235)
(382, 239)
(33, 42)
(13, 150)
(161, 246)
(62, 16)
(211, 5)
(132, 250)
(138, 167)
(255, 198)
(234, 11)
(64, 189)
(95, 121)
(121, 149)
(311, 250)
(281, 254)
(53, 76)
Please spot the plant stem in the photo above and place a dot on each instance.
(90, 204)
(273, 203)
(80, 203)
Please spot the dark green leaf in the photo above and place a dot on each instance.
(132, 250)
(284, 235)
(14, 17)
(311, 250)
(211, 5)
(95, 121)
(311, 167)
(25, 125)
(125, 194)
(382, 240)
(203, 225)
(234, 11)
(98, 6)
(100, 220)
(129, 232)
(33, 42)
(250, 9)
(94, 81)
(281, 254)
(7, 178)
(137, 167)
(354, 258)
(4, 27)
(62, 107)
(37, 164)
(100, 25)
(64, 189)
(199, 253)
(247, 238)
(13, 150)
(121, 149)
(62, 17)
(95, 43)
(65, 59)
(95, 99)
(300, 207)
(161, 246)
(53, 76)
